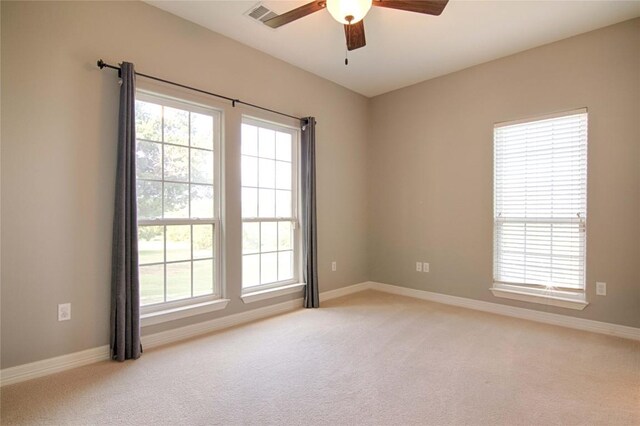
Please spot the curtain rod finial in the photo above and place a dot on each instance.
(100, 63)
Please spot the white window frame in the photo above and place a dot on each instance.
(278, 288)
(551, 294)
(171, 310)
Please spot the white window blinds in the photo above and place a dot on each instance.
(540, 201)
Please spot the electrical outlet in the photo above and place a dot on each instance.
(64, 311)
(425, 267)
(334, 266)
(418, 266)
(601, 289)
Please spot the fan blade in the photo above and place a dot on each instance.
(430, 7)
(297, 13)
(355, 35)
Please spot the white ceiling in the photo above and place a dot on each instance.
(404, 48)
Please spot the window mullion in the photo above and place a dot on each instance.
(164, 268)
(260, 251)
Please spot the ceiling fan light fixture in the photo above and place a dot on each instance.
(341, 10)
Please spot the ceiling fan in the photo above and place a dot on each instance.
(350, 13)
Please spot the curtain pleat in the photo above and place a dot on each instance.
(308, 219)
(125, 288)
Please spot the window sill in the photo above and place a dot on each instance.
(171, 314)
(256, 296)
(563, 299)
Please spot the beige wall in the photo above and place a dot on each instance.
(59, 122)
(431, 168)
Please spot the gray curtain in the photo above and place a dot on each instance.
(125, 289)
(308, 219)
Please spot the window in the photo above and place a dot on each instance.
(269, 205)
(540, 206)
(177, 164)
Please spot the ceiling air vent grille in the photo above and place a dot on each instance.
(260, 13)
(268, 16)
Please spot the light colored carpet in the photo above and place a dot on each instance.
(368, 358)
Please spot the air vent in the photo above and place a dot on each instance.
(260, 13)
(268, 16)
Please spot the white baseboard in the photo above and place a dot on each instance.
(344, 291)
(176, 334)
(32, 370)
(512, 311)
(45, 367)
(21, 373)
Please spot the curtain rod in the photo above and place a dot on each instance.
(102, 64)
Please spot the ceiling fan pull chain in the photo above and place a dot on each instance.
(346, 52)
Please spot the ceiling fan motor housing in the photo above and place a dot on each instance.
(342, 10)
